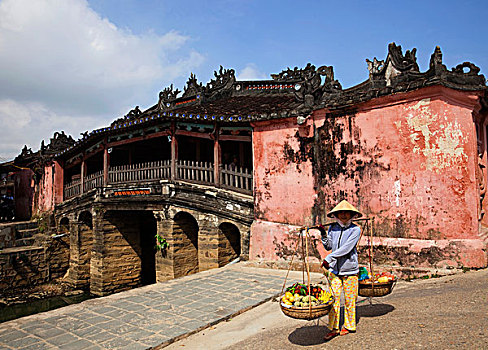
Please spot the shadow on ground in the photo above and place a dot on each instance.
(314, 334)
(374, 310)
(308, 335)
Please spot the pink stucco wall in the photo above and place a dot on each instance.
(407, 160)
(45, 191)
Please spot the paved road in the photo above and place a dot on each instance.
(145, 317)
(442, 313)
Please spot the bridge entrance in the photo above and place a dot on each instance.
(185, 238)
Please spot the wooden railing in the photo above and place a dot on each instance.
(236, 178)
(199, 172)
(157, 170)
(72, 189)
(231, 177)
(93, 181)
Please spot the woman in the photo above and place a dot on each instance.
(342, 263)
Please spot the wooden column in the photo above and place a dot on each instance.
(58, 183)
(174, 151)
(82, 175)
(217, 157)
(106, 164)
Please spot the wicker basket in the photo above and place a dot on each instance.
(380, 289)
(307, 313)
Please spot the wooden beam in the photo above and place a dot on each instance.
(139, 138)
(106, 164)
(217, 158)
(235, 138)
(82, 175)
(194, 134)
(174, 151)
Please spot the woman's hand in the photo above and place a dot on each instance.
(325, 264)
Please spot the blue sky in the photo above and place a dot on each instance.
(76, 65)
(276, 34)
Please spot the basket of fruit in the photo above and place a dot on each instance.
(379, 286)
(297, 303)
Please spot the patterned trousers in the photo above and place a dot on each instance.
(350, 286)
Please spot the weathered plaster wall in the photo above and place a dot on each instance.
(283, 175)
(408, 162)
(44, 191)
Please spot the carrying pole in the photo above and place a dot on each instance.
(371, 259)
(308, 275)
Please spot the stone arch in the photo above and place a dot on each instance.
(84, 247)
(229, 243)
(185, 244)
(63, 226)
(124, 254)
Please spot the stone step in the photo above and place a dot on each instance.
(25, 225)
(26, 233)
(24, 242)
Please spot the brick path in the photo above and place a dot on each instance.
(146, 317)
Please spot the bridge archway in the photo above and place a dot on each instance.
(185, 244)
(63, 225)
(127, 242)
(229, 243)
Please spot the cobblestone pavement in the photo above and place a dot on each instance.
(148, 316)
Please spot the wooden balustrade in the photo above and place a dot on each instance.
(236, 178)
(93, 181)
(192, 171)
(157, 170)
(231, 177)
(72, 189)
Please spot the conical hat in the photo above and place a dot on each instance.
(344, 206)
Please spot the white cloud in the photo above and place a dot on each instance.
(251, 72)
(63, 64)
(29, 123)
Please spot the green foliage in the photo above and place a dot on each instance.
(161, 244)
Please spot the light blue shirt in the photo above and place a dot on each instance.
(343, 260)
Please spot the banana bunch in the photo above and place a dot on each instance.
(325, 297)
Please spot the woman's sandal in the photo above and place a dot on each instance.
(345, 331)
(332, 334)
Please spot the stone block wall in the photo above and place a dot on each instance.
(115, 262)
(57, 256)
(81, 244)
(22, 267)
(7, 235)
(220, 241)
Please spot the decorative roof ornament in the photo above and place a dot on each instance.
(26, 151)
(310, 84)
(192, 88)
(436, 57)
(375, 66)
(396, 64)
(223, 81)
(59, 142)
(290, 75)
(401, 62)
(167, 98)
(473, 69)
(133, 113)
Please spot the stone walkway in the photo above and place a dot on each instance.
(149, 316)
